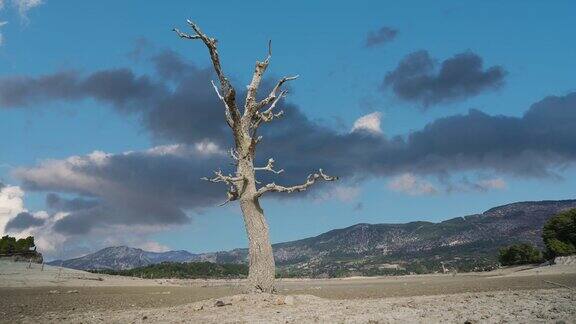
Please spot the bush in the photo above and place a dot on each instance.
(559, 234)
(9, 245)
(519, 254)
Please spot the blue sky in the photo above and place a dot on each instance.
(340, 81)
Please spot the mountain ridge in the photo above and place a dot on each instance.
(461, 242)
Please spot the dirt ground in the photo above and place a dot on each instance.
(545, 294)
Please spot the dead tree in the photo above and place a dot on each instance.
(243, 185)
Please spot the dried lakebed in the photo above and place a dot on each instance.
(530, 295)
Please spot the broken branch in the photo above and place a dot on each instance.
(273, 94)
(250, 105)
(309, 181)
(220, 177)
(270, 167)
(228, 91)
(228, 113)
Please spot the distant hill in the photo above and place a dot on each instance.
(466, 243)
(123, 257)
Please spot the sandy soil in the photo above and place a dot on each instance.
(506, 295)
(528, 306)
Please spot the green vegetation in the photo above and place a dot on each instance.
(559, 234)
(519, 254)
(9, 245)
(191, 270)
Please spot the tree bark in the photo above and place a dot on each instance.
(262, 269)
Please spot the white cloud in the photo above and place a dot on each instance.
(53, 244)
(347, 194)
(153, 246)
(370, 123)
(204, 148)
(11, 204)
(121, 198)
(496, 183)
(23, 6)
(412, 185)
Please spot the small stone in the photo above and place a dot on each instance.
(220, 303)
(289, 300)
(54, 292)
(72, 292)
(198, 307)
(144, 318)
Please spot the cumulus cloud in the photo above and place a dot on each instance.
(53, 243)
(24, 220)
(153, 187)
(419, 79)
(180, 105)
(381, 36)
(369, 123)
(176, 104)
(11, 203)
(412, 185)
(16, 220)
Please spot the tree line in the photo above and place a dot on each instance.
(10, 246)
(559, 236)
(185, 270)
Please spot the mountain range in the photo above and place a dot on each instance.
(123, 258)
(464, 243)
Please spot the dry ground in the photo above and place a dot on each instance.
(508, 295)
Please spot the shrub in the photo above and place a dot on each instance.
(559, 234)
(519, 254)
(9, 244)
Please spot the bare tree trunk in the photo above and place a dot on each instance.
(262, 269)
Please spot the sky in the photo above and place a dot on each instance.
(425, 110)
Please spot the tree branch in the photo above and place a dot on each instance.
(309, 181)
(270, 167)
(228, 91)
(228, 113)
(233, 192)
(220, 177)
(268, 115)
(184, 35)
(272, 96)
(259, 69)
(234, 154)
